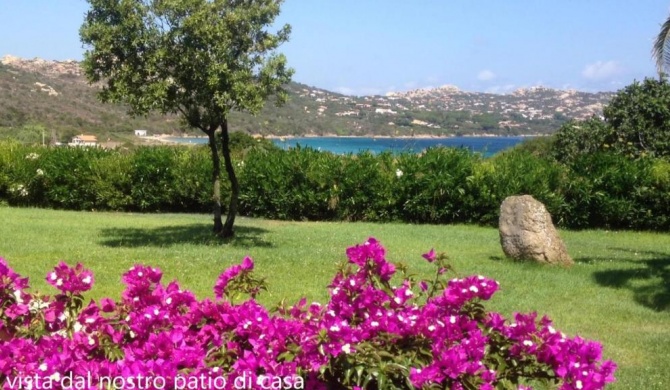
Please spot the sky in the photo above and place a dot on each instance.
(364, 47)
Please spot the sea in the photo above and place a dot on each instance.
(487, 146)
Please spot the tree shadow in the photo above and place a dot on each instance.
(648, 279)
(165, 236)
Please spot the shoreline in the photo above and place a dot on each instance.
(167, 138)
(419, 136)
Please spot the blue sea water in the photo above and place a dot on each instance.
(342, 145)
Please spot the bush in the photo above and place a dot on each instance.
(636, 123)
(575, 139)
(296, 184)
(365, 187)
(640, 117)
(158, 178)
(515, 172)
(441, 185)
(63, 178)
(432, 186)
(371, 334)
(613, 191)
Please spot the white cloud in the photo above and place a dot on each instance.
(486, 75)
(602, 70)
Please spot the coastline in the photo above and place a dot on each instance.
(418, 136)
(168, 138)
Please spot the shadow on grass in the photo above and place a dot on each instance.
(648, 279)
(165, 236)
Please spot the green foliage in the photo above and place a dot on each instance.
(28, 134)
(242, 143)
(515, 172)
(611, 190)
(146, 179)
(640, 117)
(197, 59)
(431, 187)
(441, 185)
(636, 124)
(153, 175)
(537, 146)
(660, 51)
(293, 184)
(365, 187)
(577, 138)
(113, 183)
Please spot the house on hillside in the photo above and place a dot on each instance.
(140, 133)
(84, 140)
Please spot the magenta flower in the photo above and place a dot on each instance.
(70, 280)
(230, 274)
(9, 278)
(247, 264)
(430, 256)
(163, 331)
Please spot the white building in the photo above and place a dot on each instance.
(84, 140)
(140, 133)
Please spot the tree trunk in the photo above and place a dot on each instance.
(234, 185)
(216, 182)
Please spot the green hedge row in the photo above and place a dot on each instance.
(145, 179)
(441, 185)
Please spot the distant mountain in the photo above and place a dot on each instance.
(55, 95)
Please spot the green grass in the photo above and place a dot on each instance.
(618, 292)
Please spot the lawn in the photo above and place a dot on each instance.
(618, 292)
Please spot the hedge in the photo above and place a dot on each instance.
(440, 185)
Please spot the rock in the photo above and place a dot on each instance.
(527, 233)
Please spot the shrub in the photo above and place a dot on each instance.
(440, 185)
(365, 187)
(574, 139)
(370, 335)
(636, 123)
(192, 171)
(296, 184)
(432, 187)
(242, 143)
(112, 183)
(613, 191)
(152, 175)
(67, 177)
(516, 172)
(639, 114)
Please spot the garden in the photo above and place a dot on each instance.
(345, 272)
(402, 281)
(616, 294)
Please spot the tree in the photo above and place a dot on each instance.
(635, 123)
(661, 50)
(639, 114)
(199, 59)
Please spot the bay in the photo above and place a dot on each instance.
(488, 146)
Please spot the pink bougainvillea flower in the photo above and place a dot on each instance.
(247, 264)
(164, 331)
(430, 256)
(70, 280)
(229, 274)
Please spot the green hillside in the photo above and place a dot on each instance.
(52, 97)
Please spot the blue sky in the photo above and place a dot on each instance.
(376, 46)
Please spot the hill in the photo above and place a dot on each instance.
(54, 96)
